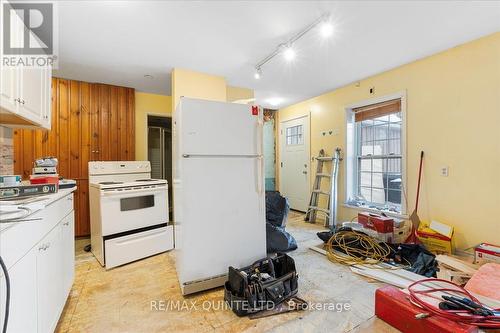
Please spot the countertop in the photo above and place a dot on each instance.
(39, 203)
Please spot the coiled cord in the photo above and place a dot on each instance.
(353, 248)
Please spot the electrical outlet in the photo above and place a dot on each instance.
(444, 171)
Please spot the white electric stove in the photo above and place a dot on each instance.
(128, 212)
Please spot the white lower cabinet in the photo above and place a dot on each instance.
(68, 253)
(41, 280)
(49, 279)
(23, 289)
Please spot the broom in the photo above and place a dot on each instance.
(415, 220)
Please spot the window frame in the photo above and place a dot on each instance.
(351, 154)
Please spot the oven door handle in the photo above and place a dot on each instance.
(114, 193)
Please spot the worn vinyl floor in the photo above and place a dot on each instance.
(144, 296)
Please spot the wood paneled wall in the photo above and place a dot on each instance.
(90, 122)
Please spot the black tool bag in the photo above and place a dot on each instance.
(262, 285)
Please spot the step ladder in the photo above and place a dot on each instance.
(330, 212)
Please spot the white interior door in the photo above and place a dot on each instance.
(295, 162)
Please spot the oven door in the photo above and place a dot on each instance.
(125, 210)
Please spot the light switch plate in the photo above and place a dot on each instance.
(444, 171)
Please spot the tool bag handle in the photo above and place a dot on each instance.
(259, 263)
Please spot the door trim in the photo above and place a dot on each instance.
(281, 144)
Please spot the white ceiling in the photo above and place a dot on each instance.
(118, 42)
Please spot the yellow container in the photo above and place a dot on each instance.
(434, 241)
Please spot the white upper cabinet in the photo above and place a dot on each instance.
(25, 97)
(24, 91)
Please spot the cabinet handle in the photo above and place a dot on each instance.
(40, 248)
(67, 223)
(95, 151)
(17, 100)
(48, 245)
(21, 101)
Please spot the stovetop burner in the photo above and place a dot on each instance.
(110, 183)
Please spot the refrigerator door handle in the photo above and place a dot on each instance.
(260, 168)
(259, 135)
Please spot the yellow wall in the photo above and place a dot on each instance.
(145, 104)
(238, 94)
(453, 114)
(197, 85)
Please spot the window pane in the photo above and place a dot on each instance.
(367, 149)
(378, 165)
(378, 196)
(395, 130)
(378, 180)
(365, 179)
(381, 132)
(394, 181)
(395, 117)
(394, 165)
(394, 196)
(368, 122)
(381, 120)
(394, 147)
(380, 148)
(366, 134)
(365, 165)
(366, 193)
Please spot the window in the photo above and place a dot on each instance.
(294, 135)
(376, 162)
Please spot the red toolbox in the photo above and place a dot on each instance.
(379, 223)
(394, 307)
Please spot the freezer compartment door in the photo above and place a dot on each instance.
(218, 128)
(223, 216)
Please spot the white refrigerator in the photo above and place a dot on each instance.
(219, 197)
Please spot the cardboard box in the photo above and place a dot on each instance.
(485, 252)
(402, 230)
(434, 241)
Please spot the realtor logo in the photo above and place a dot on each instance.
(28, 28)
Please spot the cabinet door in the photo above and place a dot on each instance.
(9, 85)
(32, 91)
(47, 98)
(23, 284)
(49, 279)
(68, 253)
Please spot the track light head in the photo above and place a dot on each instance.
(258, 73)
(289, 53)
(326, 29)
